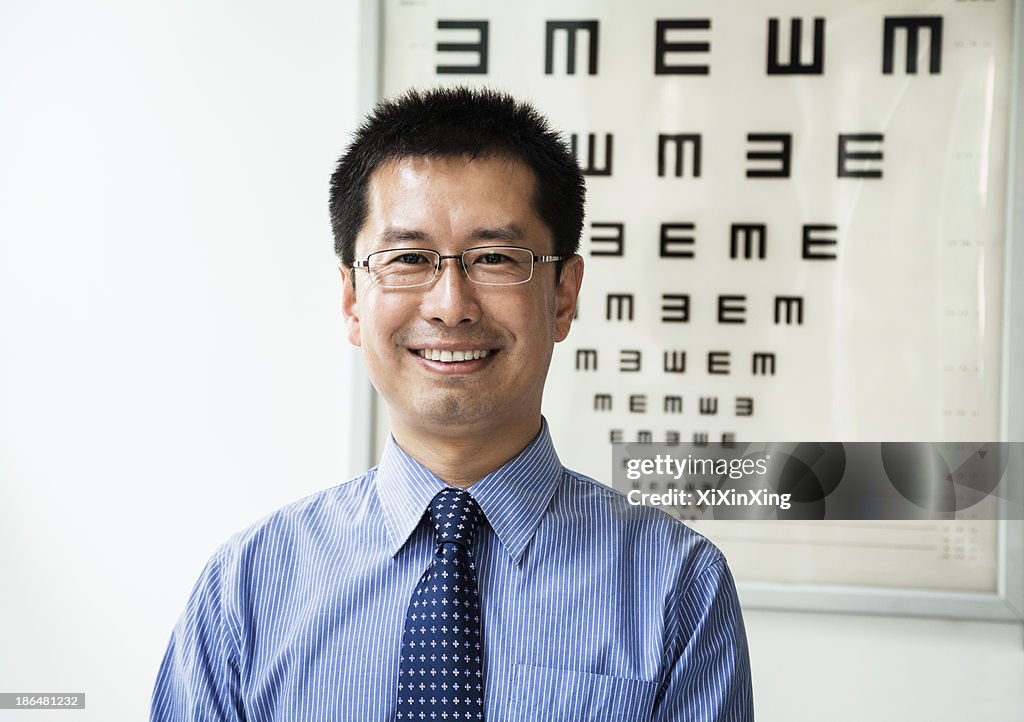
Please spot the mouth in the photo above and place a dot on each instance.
(448, 356)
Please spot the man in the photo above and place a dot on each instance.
(469, 575)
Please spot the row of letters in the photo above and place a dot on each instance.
(719, 363)
(730, 308)
(858, 155)
(679, 43)
(699, 438)
(748, 241)
(706, 405)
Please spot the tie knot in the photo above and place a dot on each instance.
(456, 516)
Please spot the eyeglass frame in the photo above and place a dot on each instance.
(458, 257)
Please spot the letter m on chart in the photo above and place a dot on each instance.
(570, 28)
(586, 359)
(913, 25)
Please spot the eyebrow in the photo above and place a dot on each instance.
(507, 233)
(510, 232)
(395, 236)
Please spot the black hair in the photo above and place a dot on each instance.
(452, 122)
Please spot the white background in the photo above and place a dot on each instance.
(172, 361)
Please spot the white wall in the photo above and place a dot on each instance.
(172, 359)
(172, 363)
(850, 668)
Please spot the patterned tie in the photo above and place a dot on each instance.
(440, 675)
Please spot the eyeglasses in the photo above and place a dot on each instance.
(486, 265)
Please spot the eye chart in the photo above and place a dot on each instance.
(796, 231)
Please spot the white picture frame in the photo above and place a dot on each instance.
(1003, 602)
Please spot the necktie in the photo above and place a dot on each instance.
(440, 674)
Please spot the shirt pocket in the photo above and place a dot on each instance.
(561, 695)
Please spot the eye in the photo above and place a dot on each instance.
(410, 258)
(492, 258)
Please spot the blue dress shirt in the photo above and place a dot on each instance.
(592, 608)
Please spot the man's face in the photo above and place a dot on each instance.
(449, 205)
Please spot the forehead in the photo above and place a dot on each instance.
(450, 201)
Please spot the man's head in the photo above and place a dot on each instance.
(454, 122)
(456, 355)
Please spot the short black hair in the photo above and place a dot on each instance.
(452, 122)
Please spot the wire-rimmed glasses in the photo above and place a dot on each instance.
(486, 265)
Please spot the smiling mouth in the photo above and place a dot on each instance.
(445, 356)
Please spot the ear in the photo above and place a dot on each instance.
(350, 306)
(566, 293)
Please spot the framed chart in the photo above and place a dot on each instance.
(801, 227)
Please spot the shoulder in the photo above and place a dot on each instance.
(322, 518)
(655, 538)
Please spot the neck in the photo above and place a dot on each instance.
(462, 459)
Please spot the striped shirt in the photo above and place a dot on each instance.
(591, 608)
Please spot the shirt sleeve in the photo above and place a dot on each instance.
(198, 679)
(708, 677)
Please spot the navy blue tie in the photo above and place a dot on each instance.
(440, 675)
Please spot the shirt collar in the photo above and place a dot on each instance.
(513, 498)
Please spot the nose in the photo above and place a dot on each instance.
(451, 299)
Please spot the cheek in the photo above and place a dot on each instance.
(533, 324)
(542, 315)
(383, 317)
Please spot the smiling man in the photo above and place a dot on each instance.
(462, 417)
(469, 576)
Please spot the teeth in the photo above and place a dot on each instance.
(433, 354)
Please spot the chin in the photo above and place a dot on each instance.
(452, 410)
